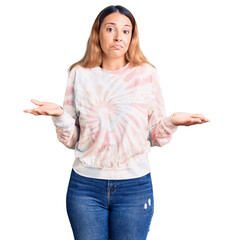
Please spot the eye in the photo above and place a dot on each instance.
(126, 31)
(110, 29)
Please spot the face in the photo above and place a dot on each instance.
(115, 35)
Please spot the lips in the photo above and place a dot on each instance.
(117, 46)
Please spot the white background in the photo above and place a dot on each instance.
(190, 43)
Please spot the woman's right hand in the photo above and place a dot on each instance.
(45, 108)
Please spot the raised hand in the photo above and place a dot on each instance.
(45, 108)
(187, 119)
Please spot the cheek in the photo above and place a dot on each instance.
(102, 44)
(127, 41)
(104, 41)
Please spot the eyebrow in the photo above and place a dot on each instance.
(115, 24)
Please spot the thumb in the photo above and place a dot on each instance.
(36, 102)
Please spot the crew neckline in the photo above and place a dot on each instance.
(117, 70)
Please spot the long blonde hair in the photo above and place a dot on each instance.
(93, 54)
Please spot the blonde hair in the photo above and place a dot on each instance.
(93, 54)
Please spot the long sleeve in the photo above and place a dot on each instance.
(67, 125)
(160, 125)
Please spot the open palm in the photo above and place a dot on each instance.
(45, 108)
(187, 119)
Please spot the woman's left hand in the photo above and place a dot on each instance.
(187, 119)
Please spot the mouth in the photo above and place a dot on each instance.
(117, 46)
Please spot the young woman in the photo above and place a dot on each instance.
(113, 112)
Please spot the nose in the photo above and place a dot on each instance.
(117, 37)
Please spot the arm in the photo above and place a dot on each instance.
(67, 125)
(68, 138)
(160, 125)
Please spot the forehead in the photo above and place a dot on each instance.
(117, 18)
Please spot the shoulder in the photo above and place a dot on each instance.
(78, 70)
(149, 68)
(146, 70)
(146, 67)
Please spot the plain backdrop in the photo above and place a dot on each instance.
(191, 45)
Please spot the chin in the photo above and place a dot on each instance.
(116, 55)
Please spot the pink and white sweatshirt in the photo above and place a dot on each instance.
(111, 119)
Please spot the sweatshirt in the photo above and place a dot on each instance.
(112, 119)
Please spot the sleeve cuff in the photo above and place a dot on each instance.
(64, 121)
(168, 125)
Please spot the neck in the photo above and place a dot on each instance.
(113, 63)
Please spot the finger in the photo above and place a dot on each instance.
(27, 110)
(31, 111)
(198, 121)
(204, 119)
(197, 115)
(41, 111)
(194, 121)
(201, 117)
(39, 103)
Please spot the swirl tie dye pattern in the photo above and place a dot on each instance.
(111, 119)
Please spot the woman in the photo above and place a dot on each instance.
(113, 112)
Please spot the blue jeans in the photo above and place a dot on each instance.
(100, 209)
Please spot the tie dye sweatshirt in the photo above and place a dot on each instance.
(111, 119)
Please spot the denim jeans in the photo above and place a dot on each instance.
(100, 209)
